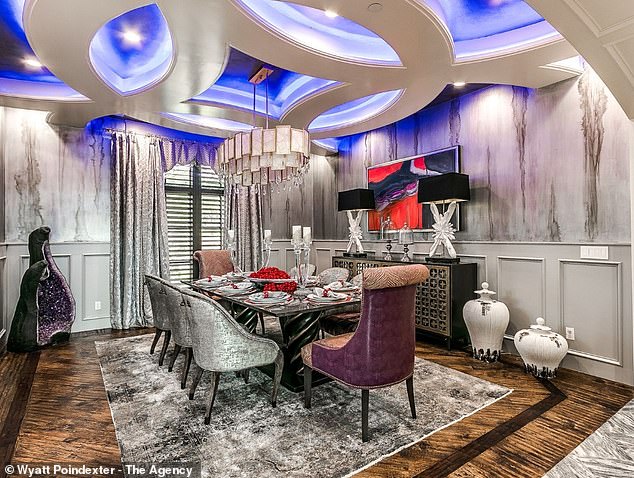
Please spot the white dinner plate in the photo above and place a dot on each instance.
(270, 281)
(274, 297)
(334, 297)
(237, 288)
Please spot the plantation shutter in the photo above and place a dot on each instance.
(195, 209)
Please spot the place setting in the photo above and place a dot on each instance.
(236, 288)
(342, 286)
(269, 298)
(323, 296)
(211, 282)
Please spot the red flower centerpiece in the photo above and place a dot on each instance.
(275, 273)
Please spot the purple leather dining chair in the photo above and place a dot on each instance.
(380, 352)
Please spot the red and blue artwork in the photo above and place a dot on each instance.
(395, 186)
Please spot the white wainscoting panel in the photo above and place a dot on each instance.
(522, 287)
(482, 262)
(323, 258)
(62, 261)
(96, 286)
(590, 301)
(3, 300)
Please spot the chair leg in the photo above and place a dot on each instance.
(215, 378)
(277, 377)
(365, 402)
(410, 394)
(177, 350)
(188, 362)
(308, 385)
(157, 336)
(166, 342)
(195, 379)
(261, 316)
(245, 375)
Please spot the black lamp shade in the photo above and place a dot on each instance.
(356, 200)
(444, 188)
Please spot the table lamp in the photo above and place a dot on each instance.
(446, 188)
(356, 200)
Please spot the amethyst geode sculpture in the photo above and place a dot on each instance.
(46, 308)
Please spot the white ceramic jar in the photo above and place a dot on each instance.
(541, 349)
(486, 320)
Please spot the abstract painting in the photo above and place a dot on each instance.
(395, 186)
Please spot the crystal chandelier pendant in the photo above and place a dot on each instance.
(265, 155)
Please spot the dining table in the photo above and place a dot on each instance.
(299, 323)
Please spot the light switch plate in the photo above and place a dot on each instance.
(570, 333)
(97, 305)
(594, 252)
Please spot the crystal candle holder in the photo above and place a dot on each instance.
(406, 238)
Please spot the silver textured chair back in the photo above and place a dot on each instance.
(332, 274)
(158, 298)
(220, 344)
(180, 316)
(162, 320)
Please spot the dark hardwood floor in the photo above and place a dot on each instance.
(53, 408)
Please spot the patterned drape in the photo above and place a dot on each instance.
(244, 216)
(138, 218)
(138, 233)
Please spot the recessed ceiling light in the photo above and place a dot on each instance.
(32, 62)
(331, 13)
(459, 84)
(132, 37)
(375, 7)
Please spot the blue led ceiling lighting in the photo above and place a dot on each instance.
(133, 51)
(209, 122)
(354, 111)
(20, 74)
(286, 88)
(312, 28)
(474, 25)
(330, 144)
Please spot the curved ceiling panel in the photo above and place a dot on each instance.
(133, 51)
(489, 27)
(471, 19)
(21, 73)
(354, 111)
(209, 122)
(322, 31)
(285, 88)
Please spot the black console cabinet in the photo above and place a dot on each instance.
(439, 300)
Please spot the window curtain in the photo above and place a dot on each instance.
(138, 233)
(244, 216)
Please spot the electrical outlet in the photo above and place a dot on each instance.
(97, 305)
(570, 333)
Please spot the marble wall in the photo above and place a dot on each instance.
(54, 176)
(550, 164)
(2, 207)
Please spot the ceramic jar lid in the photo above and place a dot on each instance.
(542, 328)
(485, 294)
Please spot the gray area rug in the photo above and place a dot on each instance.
(155, 421)
(607, 453)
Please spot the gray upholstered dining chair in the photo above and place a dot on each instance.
(220, 345)
(162, 323)
(181, 328)
(332, 274)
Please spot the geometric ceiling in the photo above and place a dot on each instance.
(340, 67)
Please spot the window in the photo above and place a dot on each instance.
(195, 209)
